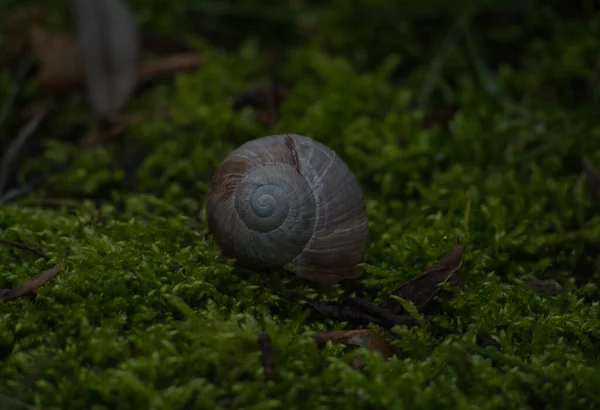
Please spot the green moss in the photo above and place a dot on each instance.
(148, 314)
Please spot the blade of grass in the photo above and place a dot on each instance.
(482, 70)
(461, 24)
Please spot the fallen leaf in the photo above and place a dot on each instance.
(421, 289)
(61, 65)
(545, 287)
(110, 44)
(362, 338)
(32, 284)
(362, 312)
(264, 342)
(593, 178)
(24, 247)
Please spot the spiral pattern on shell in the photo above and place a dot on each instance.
(289, 201)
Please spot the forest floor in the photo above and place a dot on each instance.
(477, 123)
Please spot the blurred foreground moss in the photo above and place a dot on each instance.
(147, 314)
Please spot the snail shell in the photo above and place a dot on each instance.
(287, 201)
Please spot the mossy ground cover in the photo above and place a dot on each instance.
(148, 314)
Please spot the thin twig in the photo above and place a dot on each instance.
(32, 185)
(24, 247)
(438, 372)
(16, 193)
(264, 341)
(167, 66)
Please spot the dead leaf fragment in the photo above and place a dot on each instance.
(110, 44)
(421, 289)
(32, 284)
(362, 338)
(61, 65)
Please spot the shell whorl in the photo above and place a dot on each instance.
(289, 201)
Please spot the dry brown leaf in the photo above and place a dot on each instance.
(421, 289)
(32, 284)
(61, 65)
(62, 68)
(110, 44)
(362, 338)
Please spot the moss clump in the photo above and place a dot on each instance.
(147, 314)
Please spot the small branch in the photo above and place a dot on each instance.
(264, 341)
(167, 66)
(437, 373)
(24, 247)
